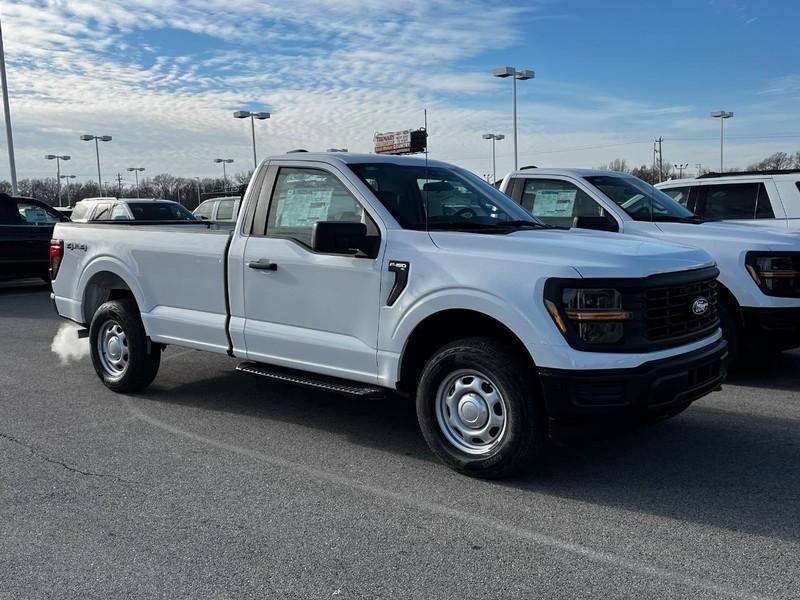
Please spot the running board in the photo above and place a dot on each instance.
(321, 382)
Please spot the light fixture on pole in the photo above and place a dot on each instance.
(681, 167)
(66, 186)
(224, 162)
(261, 116)
(87, 137)
(58, 158)
(522, 75)
(136, 171)
(494, 137)
(721, 115)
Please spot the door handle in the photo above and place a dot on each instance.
(263, 264)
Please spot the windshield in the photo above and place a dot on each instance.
(160, 211)
(453, 198)
(640, 200)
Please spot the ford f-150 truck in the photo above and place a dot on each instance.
(365, 273)
(759, 282)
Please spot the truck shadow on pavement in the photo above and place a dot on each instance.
(778, 372)
(734, 470)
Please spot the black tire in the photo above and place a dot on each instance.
(523, 435)
(731, 330)
(141, 357)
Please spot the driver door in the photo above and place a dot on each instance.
(312, 311)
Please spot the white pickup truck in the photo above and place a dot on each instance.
(365, 273)
(759, 282)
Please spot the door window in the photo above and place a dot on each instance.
(33, 214)
(225, 210)
(119, 213)
(204, 210)
(304, 196)
(559, 203)
(736, 201)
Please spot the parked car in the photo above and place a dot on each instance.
(759, 282)
(129, 209)
(766, 198)
(218, 209)
(364, 273)
(26, 226)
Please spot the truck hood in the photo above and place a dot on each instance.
(734, 237)
(590, 253)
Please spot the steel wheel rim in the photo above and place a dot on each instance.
(471, 412)
(112, 349)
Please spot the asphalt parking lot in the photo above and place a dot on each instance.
(214, 484)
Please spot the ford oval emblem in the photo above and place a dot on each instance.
(700, 306)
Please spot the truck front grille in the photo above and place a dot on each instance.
(670, 311)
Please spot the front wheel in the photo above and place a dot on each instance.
(122, 356)
(479, 410)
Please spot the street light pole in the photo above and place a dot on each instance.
(97, 138)
(136, 176)
(66, 186)
(7, 110)
(224, 161)
(721, 115)
(494, 137)
(522, 75)
(58, 158)
(680, 168)
(244, 114)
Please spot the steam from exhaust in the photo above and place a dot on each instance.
(68, 346)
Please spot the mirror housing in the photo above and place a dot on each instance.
(604, 223)
(340, 237)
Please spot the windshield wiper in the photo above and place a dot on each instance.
(676, 219)
(522, 224)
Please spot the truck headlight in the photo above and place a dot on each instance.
(776, 274)
(597, 314)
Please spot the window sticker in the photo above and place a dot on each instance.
(302, 207)
(554, 203)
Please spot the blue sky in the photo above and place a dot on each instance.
(164, 76)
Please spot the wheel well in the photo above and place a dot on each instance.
(101, 288)
(448, 326)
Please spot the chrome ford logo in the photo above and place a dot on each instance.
(700, 306)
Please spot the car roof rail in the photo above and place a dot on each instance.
(759, 172)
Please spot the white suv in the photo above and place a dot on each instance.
(129, 209)
(767, 198)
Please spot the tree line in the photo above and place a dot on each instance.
(189, 191)
(656, 173)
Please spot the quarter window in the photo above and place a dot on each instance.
(559, 203)
(204, 210)
(304, 196)
(119, 213)
(225, 210)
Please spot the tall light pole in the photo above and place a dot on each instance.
(721, 115)
(224, 162)
(261, 116)
(197, 179)
(7, 110)
(522, 75)
(494, 137)
(66, 185)
(681, 167)
(136, 171)
(87, 137)
(58, 158)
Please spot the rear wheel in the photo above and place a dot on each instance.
(122, 356)
(478, 409)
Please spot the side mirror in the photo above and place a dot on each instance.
(340, 237)
(598, 223)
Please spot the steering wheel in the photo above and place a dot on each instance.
(466, 213)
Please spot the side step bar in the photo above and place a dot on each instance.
(321, 382)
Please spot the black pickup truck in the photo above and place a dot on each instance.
(26, 226)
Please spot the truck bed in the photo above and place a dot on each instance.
(182, 298)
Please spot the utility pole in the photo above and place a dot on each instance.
(119, 185)
(699, 167)
(658, 159)
(7, 108)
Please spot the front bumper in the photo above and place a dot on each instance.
(650, 389)
(773, 328)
